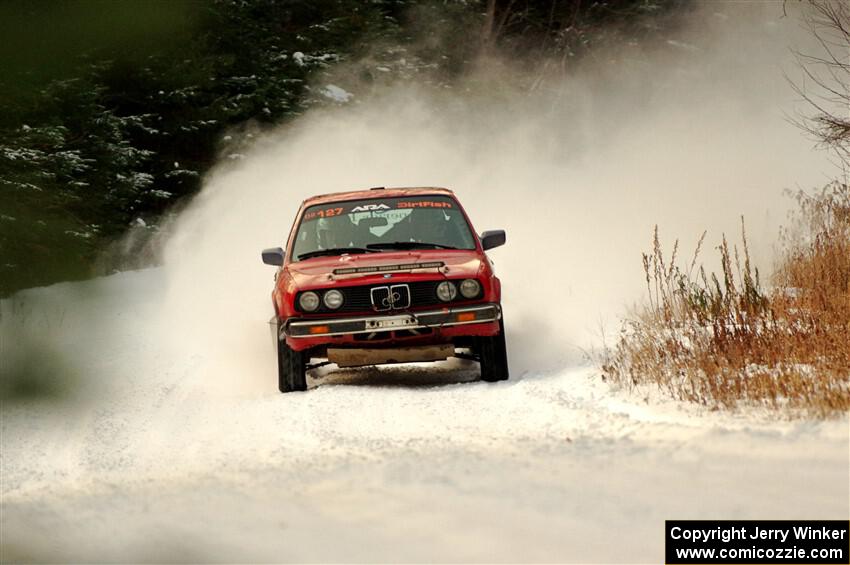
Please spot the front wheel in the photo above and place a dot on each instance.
(493, 356)
(291, 368)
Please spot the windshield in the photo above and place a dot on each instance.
(410, 222)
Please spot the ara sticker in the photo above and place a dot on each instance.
(370, 207)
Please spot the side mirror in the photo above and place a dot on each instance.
(492, 238)
(273, 256)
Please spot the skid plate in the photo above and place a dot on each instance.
(361, 357)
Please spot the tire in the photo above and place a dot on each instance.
(493, 356)
(291, 368)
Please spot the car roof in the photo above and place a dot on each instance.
(377, 192)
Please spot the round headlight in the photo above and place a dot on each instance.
(470, 288)
(333, 299)
(446, 291)
(309, 301)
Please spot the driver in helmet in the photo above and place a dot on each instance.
(335, 232)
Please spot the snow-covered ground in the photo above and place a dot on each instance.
(161, 452)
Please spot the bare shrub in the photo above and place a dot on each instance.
(724, 340)
(825, 82)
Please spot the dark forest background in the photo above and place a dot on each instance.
(112, 111)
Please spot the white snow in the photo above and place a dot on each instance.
(165, 453)
(159, 193)
(336, 93)
(80, 234)
(682, 45)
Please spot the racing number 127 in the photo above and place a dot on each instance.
(326, 213)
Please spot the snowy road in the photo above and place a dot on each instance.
(163, 453)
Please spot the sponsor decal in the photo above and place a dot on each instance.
(370, 207)
(338, 209)
(425, 204)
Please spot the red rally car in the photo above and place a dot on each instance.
(385, 276)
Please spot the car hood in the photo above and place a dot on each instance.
(320, 270)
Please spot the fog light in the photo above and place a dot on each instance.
(446, 291)
(333, 299)
(470, 288)
(309, 301)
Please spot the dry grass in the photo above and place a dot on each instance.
(724, 340)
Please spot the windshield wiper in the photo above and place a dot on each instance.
(334, 251)
(409, 245)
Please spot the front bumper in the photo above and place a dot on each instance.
(444, 317)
